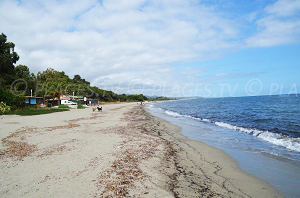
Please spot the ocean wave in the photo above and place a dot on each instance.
(174, 114)
(274, 138)
(253, 132)
(287, 142)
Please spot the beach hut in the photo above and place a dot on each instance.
(64, 100)
(34, 101)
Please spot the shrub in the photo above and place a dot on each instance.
(10, 99)
(63, 106)
(80, 106)
(4, 108)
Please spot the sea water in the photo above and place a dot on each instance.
(261, 133)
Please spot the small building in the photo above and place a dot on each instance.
(93, 102)
(33, 101)
(88, 101)
(64, 100)
(53, 101)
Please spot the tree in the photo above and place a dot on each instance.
(8, 57)
(122, 98)
(53, 83)
(77, 79)
(9, 98)
(23, 72)
(137, 97)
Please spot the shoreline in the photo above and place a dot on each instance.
(122, 151)
(280, 174)
(221, 171)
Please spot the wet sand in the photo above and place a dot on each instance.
(120, 152)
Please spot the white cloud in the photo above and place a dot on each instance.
(284, 7)
(280, 25)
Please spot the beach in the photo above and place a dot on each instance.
(122, 151)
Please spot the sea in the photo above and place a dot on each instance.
(262, 133)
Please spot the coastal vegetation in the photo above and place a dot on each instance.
(80, 106)
(160, 98)
(61, 106)
(18, 81)
(4, 108)
(27, 111)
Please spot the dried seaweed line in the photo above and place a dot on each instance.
(17, 150)
(120, 177)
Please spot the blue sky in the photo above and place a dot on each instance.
(210, 48)
(277, 68)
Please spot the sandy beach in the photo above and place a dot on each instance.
(122, 151)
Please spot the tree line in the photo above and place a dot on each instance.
(18, 81)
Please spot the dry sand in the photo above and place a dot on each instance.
(120, 152)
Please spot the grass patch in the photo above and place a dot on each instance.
(63, 106)
(80, 106)
(33, 111)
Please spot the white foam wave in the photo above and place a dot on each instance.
(274, 138)
(187, 116)
(236, 128)
(287, 142)
(175, 114)
(172, 113)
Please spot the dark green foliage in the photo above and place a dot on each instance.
(77, 79)
(136, 97)
(8, 57)
(10, 99)
(51, 83)
(25, 80)
(161, 98)
(122, 98)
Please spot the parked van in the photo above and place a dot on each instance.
(71, 104)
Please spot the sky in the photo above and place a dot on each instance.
(175, 48)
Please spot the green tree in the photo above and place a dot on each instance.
(8, 57)
(137, 97)
(9, 98)
(122, 97)
(52, 83)
(77, 79)
(22, 72)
